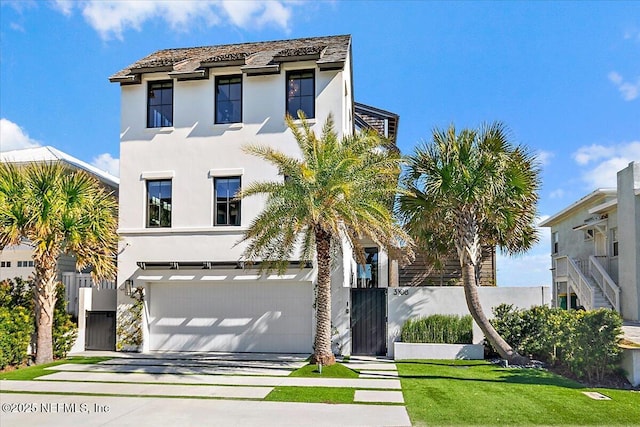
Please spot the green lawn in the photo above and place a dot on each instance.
(31, 372)
(479, 393)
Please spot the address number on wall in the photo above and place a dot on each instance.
(402, 292)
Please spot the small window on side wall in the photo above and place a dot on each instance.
(614, 242)
(227, 207)
(554, 242)
(228, 99)
(160, 104)
(301, 93)
(159, 203)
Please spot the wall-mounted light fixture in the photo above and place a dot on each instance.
(128, 287)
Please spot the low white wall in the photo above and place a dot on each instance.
(631, 365)
(407, 351)
(410, 302)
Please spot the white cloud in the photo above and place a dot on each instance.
(558, 193)
(544, 157)
(628, 90)
(601, 164)
(16, 27)
(63, 6)
(591, 153)
(13, 137)
(112, 18)
(107, 163)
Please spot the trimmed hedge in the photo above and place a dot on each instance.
(586, 342)
(439, 329)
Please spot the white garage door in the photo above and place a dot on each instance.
(242, 317)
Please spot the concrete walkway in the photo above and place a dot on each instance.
(145, 379)
(228, 392)
(234, 380)
(65, 411)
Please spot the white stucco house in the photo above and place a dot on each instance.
(595, 248)
(185, 115)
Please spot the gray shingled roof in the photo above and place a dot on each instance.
(253, 58)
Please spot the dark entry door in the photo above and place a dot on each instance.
(100, 331)
(369, 321)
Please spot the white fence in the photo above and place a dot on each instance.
(72, 284)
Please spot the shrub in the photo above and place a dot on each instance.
(539, 332)
(586, 342)
(16, 327)
(438, 328)
(16, 321)
(65, 331)
(593, 351)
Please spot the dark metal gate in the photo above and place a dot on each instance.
(369, 321)
(100, 333)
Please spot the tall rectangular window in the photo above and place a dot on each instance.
(227, 208)
(301, 93)
(159, 203)
(554, 242)
(160, 104)
(614, 242)
(228, 99)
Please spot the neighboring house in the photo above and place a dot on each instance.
(185, 115)
(16, 261)
(595, 247)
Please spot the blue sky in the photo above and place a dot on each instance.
(563, 76)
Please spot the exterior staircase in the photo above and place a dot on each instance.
(590, 281)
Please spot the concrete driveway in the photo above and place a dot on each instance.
(187, 390)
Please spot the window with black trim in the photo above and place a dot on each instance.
(160, 104)
(228, 99)
(614, 242)
(159, 203)
(227, 207)
(301, 93)
(5, 263)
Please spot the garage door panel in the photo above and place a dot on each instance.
(259, 317)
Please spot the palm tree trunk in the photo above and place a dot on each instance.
(322, 344)
(475, 308)
(470, 252)
(45, 300)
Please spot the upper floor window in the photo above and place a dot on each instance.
(159, 203)
(5, 263)
(554, 242)
(228, 99)
(614, 242)
(25, 263)
(301, 93)
(227, 207)
(160, 104)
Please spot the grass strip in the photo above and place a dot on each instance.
(337, 370)
(311, 394)
(32, 372)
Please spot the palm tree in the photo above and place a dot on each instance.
(56, 210)
(470, 189)
(337, 189)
